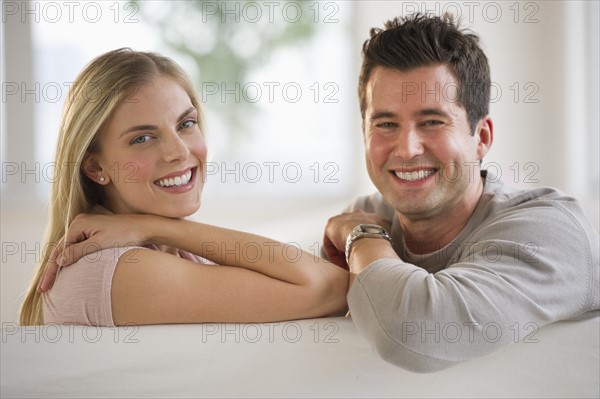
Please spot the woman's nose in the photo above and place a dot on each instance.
(175, 148)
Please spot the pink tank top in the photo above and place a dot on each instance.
(81, 293)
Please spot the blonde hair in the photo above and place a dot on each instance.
(99, 89)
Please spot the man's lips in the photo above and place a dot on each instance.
(413, 175)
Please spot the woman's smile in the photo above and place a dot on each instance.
(178, 181)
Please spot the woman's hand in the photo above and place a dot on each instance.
(89, 233)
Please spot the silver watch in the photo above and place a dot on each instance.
(362, 231)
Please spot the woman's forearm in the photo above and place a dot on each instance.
(284, 262)
(223, 246)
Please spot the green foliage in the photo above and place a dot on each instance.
(225, 40)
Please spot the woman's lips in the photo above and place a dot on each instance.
(178, 181)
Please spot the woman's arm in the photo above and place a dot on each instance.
(152, 287)
(223, 246)
(269, 279)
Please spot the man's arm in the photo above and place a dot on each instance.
(374, 204)
(513, 277)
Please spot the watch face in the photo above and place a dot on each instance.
(373, 229)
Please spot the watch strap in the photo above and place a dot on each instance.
(359, 232)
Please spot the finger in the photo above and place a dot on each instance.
(75, 234)
(51, 268)
(47, 280)
(336, 257)
(328, 245)
(63, 255)
(73, 252)
(49, 276)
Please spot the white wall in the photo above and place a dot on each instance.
(556, 138)
(550, 56)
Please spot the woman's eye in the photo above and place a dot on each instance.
(140, 139)
(188, 124)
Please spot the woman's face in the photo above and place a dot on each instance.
(152, 153)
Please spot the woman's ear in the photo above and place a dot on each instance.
(93, 170)
(485, 133)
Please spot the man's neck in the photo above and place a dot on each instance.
(428, 234)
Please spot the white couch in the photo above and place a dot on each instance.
(305, 358)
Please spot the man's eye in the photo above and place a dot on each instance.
(188, 124)
(433, 123)
(140, 139)
(386, 125)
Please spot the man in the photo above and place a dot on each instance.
(469, 265)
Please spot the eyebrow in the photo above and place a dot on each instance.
(432, 111)
(382, 115)
(422, 112)
(154, 127)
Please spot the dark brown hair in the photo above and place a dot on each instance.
(419, 40)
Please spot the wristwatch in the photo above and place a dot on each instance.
(362, 231)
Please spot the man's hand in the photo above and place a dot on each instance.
(90, 233)
(339, 227)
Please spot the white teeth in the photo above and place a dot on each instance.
(176, 181)
(412, 176)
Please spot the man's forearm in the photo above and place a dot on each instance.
(366, 251)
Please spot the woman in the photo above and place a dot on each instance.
(132, 128)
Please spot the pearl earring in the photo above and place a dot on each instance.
(101, 179)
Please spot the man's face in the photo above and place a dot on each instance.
(420, 152)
